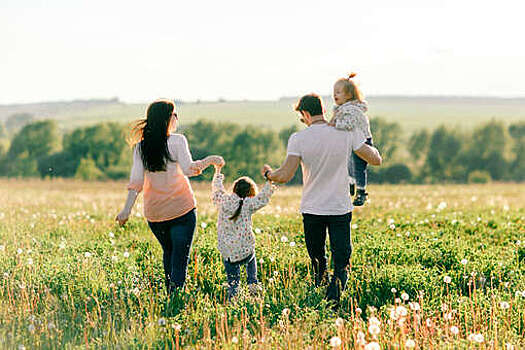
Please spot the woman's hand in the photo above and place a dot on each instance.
(122, 217)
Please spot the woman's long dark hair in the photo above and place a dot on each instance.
(152, 135)
(243, 187)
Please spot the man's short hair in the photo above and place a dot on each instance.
(311, 103)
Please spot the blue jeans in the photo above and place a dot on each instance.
(175, 236)
(357, 167)
(233, 273)
(339, 232)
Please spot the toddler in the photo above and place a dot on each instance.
(234, 227)
(349, 114)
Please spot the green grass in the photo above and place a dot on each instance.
(68, 281)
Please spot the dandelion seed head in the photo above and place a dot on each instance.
(126, 254)
(454, 330)
(504, 305)
(339, 322)
(258, 230)
(464, 261)
(335, 342)
(374, 329)
(204, 225)
(284, 239)
(405, 296)
(372, 346)
(235, 340)
(410, 344)
(87, 254)
(447, 279)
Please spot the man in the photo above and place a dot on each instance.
(323, 152)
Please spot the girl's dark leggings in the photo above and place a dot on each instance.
(357, 168)
(175, 236)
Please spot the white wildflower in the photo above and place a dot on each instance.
(286, 312)
(464, 262)
(374, 329)
(504, 305)
(126, 254)
(454, 330)
(292, 244)
(447, 279)
(405, 297)
(111, 235)
(284, 239)
(161, 322)
(335, 342)
(339, 322)
(410, 344)
(372, 346)
(87, 254)
(258, 230)
(235, 340)
(204, 225)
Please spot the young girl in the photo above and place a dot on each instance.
(234, 227)
(349, 114)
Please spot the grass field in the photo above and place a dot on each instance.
(433, 267)
(412, 113)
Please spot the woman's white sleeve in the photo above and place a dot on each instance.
(136, 178)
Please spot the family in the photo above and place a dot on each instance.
(333, 154)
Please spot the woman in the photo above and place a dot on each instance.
(161, 164)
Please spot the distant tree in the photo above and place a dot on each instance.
(441, 163)
(485, 150)
(3, 130)
(418, 144)
(517, 164)
(37, 139)
(88, 170)
(18, 120)
(387, 137)
(104, 143)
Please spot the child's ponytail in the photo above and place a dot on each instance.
(238, 211)
(351, 75)
(243, 187)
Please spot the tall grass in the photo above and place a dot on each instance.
(432, 267)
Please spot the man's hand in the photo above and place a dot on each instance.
(122, 217)
(266, 168)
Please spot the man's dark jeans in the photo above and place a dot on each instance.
(233, 273)
(338, 226)
(175, 237)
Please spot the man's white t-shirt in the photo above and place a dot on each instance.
(324, 153)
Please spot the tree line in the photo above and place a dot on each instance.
(492, 151)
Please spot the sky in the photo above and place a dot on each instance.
(139, 51)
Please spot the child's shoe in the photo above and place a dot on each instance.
(360, 199)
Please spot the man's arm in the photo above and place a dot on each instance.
(369, 154)
(285, 172)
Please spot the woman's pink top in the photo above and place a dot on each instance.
(167, 194)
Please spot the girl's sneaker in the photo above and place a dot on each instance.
(360, 198)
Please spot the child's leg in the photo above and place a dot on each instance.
(251, 270)
(360, 169)
(233, 276)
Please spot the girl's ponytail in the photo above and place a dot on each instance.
(243, 187)
(351, 75)
(238, 211)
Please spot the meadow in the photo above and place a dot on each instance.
(411, 112)
(433, 267)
